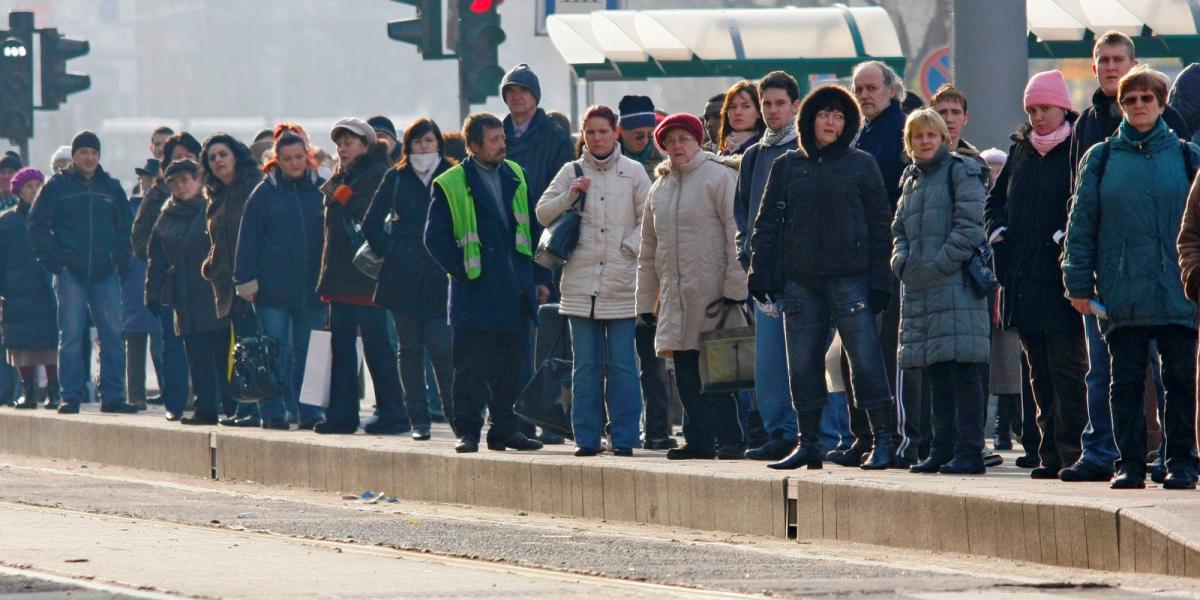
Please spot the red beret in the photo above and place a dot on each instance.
(689, 122)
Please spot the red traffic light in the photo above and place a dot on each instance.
(480, 7)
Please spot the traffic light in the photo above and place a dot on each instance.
(479, 39)
(57, 83)
(16, 78)
(424, 32)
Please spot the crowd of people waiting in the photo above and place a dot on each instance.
(859, 228)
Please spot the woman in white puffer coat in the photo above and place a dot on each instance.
(598, 283)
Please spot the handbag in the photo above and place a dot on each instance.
(546, 399)
(979, 276)
(255, 372)
(727, 353)
(558, 240)
(365, 260)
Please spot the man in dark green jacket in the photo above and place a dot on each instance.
(79, 226)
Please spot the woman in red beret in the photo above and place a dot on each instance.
(687, 264)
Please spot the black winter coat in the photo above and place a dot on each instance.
(81, 224)
(1030, 201)
(825, 212)
(339, 276)
(883, 138)
(30, 318)
(178, 246)
(224, 218)
(146, 217)
(410, 280)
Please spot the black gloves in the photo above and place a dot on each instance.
(879, 300)
(646, 320)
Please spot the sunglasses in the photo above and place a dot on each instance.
(1131, 100)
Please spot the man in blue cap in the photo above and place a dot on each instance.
(638, 120)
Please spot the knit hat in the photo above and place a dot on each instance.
(63, 153)
(24, 176)
(11, 160)
(637, 111)
(688, 122)
(1048, 87)
(1185, 95)
(523, 76)
(382, 124)
(150, 170)
(85, 139)
(184, 139)
(994, 156)
(181, 167)
(356, 126)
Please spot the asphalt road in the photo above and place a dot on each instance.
(157, 534)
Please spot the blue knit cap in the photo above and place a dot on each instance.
(523, 76)
(1185, 95)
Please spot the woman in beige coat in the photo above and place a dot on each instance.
(598, 283)
(688, 263)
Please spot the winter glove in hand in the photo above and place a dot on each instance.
(646, 320)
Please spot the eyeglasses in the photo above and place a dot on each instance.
(1142, 98)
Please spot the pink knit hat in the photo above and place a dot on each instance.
(1048, 87)
(24, 176)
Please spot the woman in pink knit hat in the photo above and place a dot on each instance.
(29, 323)
(1026, 216)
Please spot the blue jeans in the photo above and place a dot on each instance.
(771, 377)
(291, 328)
(1099, 446)
(605, 376)
(835, 424)
(102, 299)
(175, 375)
(808, 311)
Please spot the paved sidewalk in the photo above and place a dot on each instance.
(1003, 513)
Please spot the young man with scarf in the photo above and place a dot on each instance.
(780, 98)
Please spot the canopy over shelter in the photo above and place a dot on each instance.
(1159, 28)
(625, 45)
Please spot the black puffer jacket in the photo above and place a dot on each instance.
(224, 217)
(81, 224)
(339, 277)
(178, 246)
(410, 280)
(1029, 201)
(30, 320)
(825, 212)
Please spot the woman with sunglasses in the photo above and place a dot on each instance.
(1121, 264)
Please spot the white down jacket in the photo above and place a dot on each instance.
(688, 258)
(598, 280)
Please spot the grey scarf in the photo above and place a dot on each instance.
(778, 138)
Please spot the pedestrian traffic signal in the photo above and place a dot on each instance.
(479, 39)
(57, 83)
(424, 32)
(16, 78)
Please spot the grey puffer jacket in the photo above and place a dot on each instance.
(941, 318)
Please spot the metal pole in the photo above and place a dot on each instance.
(991, 73)
(574, 99)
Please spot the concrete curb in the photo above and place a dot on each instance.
(1151, 532)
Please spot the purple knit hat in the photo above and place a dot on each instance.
(25, 176)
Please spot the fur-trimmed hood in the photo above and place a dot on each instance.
(733, 162)
(827, 96)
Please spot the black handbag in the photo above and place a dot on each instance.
(558, 240)
(976, 270)
(255, 374)
(546, 400)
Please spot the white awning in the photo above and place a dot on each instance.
(1070, 20)
(623, 37)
